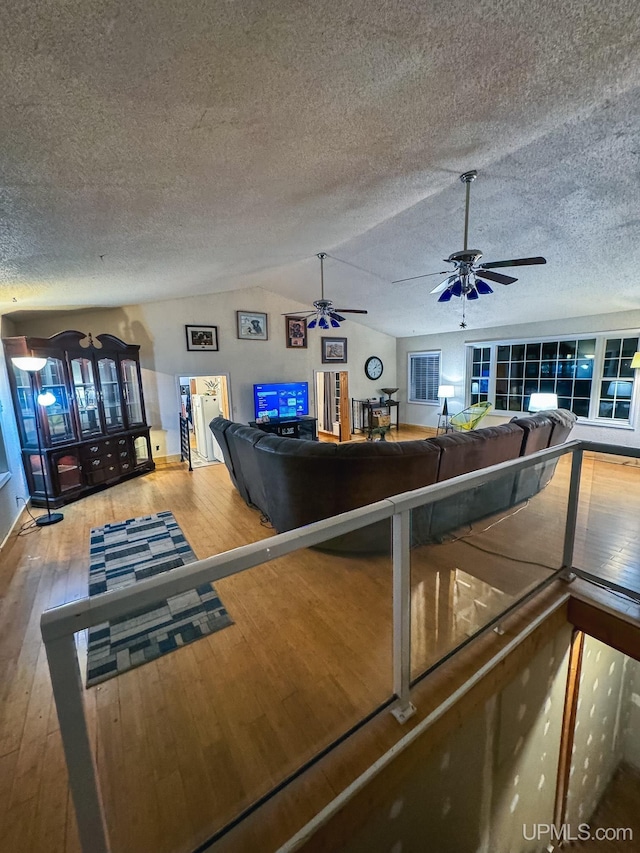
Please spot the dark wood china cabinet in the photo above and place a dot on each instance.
(94, 434)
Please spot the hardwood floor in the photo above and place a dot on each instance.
(185, 742)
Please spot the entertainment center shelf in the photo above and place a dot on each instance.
(303, 427)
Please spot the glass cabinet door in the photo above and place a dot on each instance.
(57, 414)
(24, 394)
(141, 450)
(132, 396)
(68, 471)
(86, 398)
(108, 373)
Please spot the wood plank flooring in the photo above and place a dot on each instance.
(187, 741)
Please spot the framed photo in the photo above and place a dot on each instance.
(334, 350)
(203, 338)
(252, 325)
(296, 332)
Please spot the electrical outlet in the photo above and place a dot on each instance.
(157, 447)
(18, 500)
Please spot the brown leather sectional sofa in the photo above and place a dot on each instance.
(295, 482)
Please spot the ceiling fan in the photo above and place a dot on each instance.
(465, 280)
(324, 315)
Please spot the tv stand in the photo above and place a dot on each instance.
(303, 427)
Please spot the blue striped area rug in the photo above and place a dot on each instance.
(129, 551)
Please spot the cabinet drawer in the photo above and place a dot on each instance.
(102, 475)
(98, 462)
(89, 451)
(103, 447)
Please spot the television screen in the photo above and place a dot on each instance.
(281, 399)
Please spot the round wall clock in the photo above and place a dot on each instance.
(373, 367)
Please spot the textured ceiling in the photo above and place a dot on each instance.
(160, 149)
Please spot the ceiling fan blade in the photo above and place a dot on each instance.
(499, 277)
(444, 284)
(425, 275)
(335, 316)
(482, 287)
(352, 310)
(516, 262)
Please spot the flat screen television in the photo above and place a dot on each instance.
(281, 399)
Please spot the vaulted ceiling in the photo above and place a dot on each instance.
(160, 149)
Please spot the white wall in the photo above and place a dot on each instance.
(452, 346)
(16, 485)
(159, 328)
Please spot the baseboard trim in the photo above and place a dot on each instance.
(13, 527)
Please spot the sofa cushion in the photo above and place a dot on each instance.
(461, 453)
(563, 421)
(242, 440)
(218, 427)
(537, 432)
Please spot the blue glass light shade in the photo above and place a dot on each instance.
(322, 322)
(473, 294)
(446, 296)
(335, 323)
(312, 323)
(482, 287)
(456, 288)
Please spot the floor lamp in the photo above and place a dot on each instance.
(31, 365)
(444, 391)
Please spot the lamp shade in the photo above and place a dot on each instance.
(538, 402)
(46, 398)
(619, 389)
(635, 361)
(30, 363)
(446, 391)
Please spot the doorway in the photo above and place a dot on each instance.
(332, 403)
(203, 398)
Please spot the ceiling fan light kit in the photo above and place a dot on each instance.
(465, 282)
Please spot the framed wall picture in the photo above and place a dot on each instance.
(204, 338)
(334, 350)
(252, 325)
(296, 332)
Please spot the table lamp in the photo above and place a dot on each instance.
(539, 402)
(445, 391)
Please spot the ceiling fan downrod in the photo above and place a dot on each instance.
(322, 256)
(467, 178)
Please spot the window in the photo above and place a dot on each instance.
(424, 377)
(591, 376)
(480, 372)
(617, 379)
